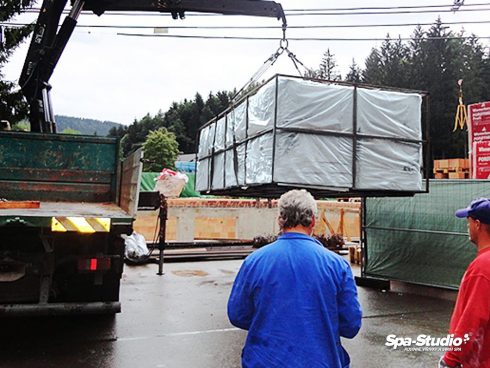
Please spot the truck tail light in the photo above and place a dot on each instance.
(94, 264)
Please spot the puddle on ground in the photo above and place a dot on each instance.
(207, 282)
(227, 272)
(190, 273)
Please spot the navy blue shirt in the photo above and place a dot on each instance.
(296, 299)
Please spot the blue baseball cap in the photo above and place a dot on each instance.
(478, 209)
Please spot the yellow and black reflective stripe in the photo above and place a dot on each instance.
(83, 225)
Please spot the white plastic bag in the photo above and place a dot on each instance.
(136, 249)
(170, 183)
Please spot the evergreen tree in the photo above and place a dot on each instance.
(486, 77)
(388, 66)
(434, 61)
(183, 119)
(117, 132)
(373, 72)
(12, 105)
(437, 65)
(328, 67)
(354, 74)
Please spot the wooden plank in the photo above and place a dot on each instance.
(458, 163)
(458, 175)
(19, 204)
(441, 164)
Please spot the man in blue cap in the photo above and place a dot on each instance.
(471, 316)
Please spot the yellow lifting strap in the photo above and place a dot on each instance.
(461, 118)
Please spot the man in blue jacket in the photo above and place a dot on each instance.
(295, 298)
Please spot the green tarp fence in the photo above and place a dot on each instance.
(418, 239)
(148, 184)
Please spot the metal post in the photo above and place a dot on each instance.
(363, 240)
(274, 130)
(354, 140)
(161, 236)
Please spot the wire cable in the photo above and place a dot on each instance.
(381, 25)
(299, 38)
(314, 12)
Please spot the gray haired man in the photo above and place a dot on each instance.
(295, 298)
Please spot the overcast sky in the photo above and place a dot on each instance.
(106, 76)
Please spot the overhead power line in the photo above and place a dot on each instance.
(380, 25)
(385, 12)
(384, 7)
(323, 11)
(297, 38)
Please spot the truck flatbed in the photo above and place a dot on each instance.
(69, 209)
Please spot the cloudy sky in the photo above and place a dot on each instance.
(106, 75)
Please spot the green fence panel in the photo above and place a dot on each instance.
(418, 239)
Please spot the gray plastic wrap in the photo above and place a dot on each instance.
(237, 124)
(259, 160)
(325, 161)
(219, 140)
(218, 171)
(389, 114)
(233, 174)
(206, 140)
(309, 125)
(202, 175)
(309, 105)
(203, 142)
(261, 109)
(384, 164)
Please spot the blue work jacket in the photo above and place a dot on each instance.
(296, 299)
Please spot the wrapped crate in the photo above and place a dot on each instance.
(328, 137)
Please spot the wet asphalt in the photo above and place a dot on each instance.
(179, 321)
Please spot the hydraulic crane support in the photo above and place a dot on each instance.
(48, 42)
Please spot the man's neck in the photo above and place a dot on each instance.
(298, 229)
(483, 246)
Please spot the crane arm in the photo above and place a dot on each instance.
(48, 42)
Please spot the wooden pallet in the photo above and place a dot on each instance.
(449, 169)
(463, 174)
(453, 164)
(454, 168)
(459, 175)
(355, 255)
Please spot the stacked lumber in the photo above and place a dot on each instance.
(454, 168)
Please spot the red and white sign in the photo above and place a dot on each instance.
(479, 140)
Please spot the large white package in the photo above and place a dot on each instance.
(388, 165)
(323, 160)
(258, 164)
(332, 137)
(218, 170)
(389, 114)
(235, 167)
(308, 105)
(261, 109)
